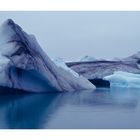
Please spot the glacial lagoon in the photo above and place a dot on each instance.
(101, 108)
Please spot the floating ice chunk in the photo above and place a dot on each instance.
(124, 79)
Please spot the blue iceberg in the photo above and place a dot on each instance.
(124, 79)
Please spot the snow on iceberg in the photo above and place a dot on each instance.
(61, 63)
(87, 59)
(124, 79)
(24, 65)
(135, 58)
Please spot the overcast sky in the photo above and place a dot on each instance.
(71, 35)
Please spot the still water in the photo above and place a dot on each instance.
(102, 108)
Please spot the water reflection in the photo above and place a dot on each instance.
(103, 98)
(26, 110)
(69, 110)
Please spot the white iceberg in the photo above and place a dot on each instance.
(24, 65)
(124, 79)
(135, 58)
(87, 59)
(61, 63)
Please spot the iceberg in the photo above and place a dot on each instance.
(124, 79)
(135, 58)
(24, 65)
(95, 71)
(87, 59)
(101, 68)
(61, 63)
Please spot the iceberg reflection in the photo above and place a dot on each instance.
(57, 110)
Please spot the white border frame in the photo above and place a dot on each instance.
(66, 5)
(70, 5)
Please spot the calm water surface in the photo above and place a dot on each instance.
(102, 108)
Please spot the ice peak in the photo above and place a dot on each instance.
(10, 26)
(9, 22)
